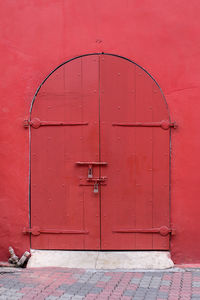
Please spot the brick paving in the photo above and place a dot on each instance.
(77, 284)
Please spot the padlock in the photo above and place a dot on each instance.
(96, 189)
(90, 175)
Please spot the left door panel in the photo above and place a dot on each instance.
(65, 213)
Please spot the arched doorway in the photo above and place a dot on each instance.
(100, 158)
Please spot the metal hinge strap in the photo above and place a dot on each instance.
(36, 123)
(163, 124)
(163, 230)
(37, 231)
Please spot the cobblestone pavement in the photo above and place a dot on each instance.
(75, 284)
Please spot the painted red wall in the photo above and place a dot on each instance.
(161, 36)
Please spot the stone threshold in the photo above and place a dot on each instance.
(101, 259)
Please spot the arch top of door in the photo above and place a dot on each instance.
(101, 54)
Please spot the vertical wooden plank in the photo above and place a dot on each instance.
(143, 141)
(90, 147)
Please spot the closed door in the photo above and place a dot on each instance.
(99, 158)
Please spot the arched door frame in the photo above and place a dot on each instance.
(74, 58)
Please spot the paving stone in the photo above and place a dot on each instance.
(105, 278)
(196, 284)
(129, 293)
(65, 297)
(96, 290)
(194, 273)
(165, 282)
(135, 280)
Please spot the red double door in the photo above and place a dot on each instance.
(99, 158)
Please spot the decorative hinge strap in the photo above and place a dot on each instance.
(36, 123)
(35, 230)
(163, 230)
(163, 124)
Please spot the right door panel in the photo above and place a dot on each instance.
(136, 196)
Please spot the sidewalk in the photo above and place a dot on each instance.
(75, 284)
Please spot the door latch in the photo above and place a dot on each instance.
(90, 180)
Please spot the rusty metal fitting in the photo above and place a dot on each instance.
(23, 259)
(13, 257)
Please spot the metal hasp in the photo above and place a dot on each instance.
(163, 230)
(92, 163)
(36, 123)
(163, 124)
(90, 180)
(37, 231)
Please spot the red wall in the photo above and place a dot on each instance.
(161, 36)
